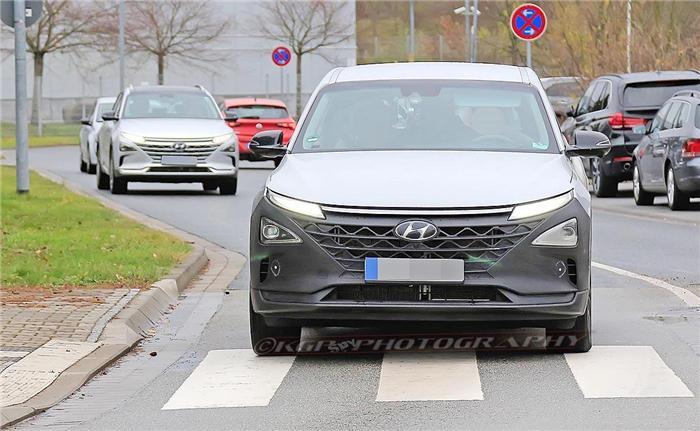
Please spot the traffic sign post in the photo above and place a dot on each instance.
(281, 56)
(19, 15)
(528, 22)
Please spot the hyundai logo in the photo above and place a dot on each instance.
(416, 230)
(179, 145)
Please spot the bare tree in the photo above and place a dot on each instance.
(64, 26)
(171, 29)
(306, 26)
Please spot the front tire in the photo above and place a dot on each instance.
(91, 169)
(641, 197)
(266, 339)
(603, 185)
(117, 186)
(677, 200)
(101, 177)
(228, 186)
(83, 165)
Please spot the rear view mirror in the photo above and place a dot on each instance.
(570, 112)
(110, 116)
(589, 144)
(268, 144)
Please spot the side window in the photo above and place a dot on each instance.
(600, 99)
(659, 118)
(670, 118)
(582, 107)
(682, 117)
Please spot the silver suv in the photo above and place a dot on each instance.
(166, 134)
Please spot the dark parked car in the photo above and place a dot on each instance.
(667, 161)
(617, 105)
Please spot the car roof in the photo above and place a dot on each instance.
(106, 100)
(159, 88)
(431, 70)
(660, 75)
(241, 101)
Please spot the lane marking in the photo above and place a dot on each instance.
(684, 294)
(231, 378)
(36, 371)
(624, 372)
(429, 377)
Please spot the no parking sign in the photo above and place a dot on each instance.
(528, 22)
(281, 56)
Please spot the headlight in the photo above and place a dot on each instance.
(218, 140)
(533, 209)
(562, 235)
(274, 233)
(136, 139)
(296, 206)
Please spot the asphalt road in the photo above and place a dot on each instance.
(643, 373)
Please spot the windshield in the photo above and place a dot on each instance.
(170, 105)
(103, 108)
(427, 115)
(655, 93)
(261, 112)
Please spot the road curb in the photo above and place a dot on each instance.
(134, 322)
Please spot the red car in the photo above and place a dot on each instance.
(255, 115)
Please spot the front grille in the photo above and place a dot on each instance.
(157, 148)
(479, 246)
(415, 293)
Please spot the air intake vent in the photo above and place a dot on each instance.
(264, 268)
(571, 270)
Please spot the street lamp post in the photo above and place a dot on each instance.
(411, 32)
(121, 44)
(470, 32)
(21, 129)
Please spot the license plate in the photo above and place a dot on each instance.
(179, 160)
(414, 270)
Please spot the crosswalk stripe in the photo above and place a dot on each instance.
(429, 377)
(231, 378)
(624, 372)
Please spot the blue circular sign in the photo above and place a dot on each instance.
(281, 56)
(528, 22)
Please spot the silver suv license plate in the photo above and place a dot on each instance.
(414, 270)
(179, 160)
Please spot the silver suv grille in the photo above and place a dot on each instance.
(479, 246)
(156, 148)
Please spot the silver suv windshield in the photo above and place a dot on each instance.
(170, 104)
(427, 115)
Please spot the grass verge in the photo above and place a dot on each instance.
(53, 237)
(53, 134)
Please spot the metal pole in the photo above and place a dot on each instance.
(411, 32)
(629, 36)
(529, 53)
(122, 11)
(21, 129)
(281, 80)
(467, 33)
(441, 47)
(475, 31)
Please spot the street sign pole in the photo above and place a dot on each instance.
(121, 44)
(475, 32)
(528, 46)
(21, 129)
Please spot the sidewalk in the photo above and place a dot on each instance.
(31, 317)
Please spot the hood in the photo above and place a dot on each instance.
(177, 128)
(421, 179)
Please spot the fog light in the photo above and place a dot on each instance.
(273, 233)
(562, 235)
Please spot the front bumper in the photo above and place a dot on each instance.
(523, 283)
(140, 165)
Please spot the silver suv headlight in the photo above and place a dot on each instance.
(544, 206)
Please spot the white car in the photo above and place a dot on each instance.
(88, 133)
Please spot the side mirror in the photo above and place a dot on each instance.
(268, 144)
(86, 121)
(589, 144)
(571, 111)
(110, 116)
(231, 117)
